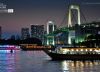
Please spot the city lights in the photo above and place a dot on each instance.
(10, 10)
(49, 35)
(3, 9)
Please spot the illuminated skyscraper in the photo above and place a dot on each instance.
(37, 31)
(25, 33)
(90, 28)
(84, 30)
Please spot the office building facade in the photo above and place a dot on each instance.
(37, 31)
(25, 33)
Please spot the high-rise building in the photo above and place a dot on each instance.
(84, 30)
(37, 31)
(25, 33)
(0, 33)
(90, 28)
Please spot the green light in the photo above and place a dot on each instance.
(47, 42)
(50, 40)
(69, 40)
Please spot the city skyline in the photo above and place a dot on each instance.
(28, 12)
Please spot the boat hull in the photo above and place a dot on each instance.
(32, 49)
(56, 56)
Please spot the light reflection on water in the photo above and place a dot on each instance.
(80, 66)
(38, 61)
(7, 62)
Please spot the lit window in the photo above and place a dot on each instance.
(81, 49)
(10, 10)
(90, 49)
(77, 50)
(86, 50)
(72, 49)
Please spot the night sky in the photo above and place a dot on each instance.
(28, 12)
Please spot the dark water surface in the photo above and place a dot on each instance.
(38, 61)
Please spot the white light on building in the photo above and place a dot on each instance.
(10, 10)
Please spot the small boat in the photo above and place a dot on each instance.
(74, 53)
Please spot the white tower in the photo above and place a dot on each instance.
(73, 7)
(50, 29)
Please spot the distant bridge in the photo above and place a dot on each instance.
(52, 31)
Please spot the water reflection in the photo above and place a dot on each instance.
(64, 65)
(7, 62)
(80, 66)
(38, 61)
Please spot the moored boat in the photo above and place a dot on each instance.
(27, 47)
(74, 53)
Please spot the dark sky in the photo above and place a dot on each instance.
(28, 12)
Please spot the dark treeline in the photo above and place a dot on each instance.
(18, 41)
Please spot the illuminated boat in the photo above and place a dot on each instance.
(27, 47)
(74, 53)
(9, 47)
